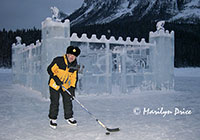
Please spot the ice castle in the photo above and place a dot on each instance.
(112, 66)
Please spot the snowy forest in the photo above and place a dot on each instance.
(7, 38)
(187, 43)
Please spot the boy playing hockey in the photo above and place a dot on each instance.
(63, 71)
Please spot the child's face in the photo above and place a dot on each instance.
(71, 57)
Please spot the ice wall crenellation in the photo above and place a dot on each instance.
(49, 22)
(162, 33)
(112, 39)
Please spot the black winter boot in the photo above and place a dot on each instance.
(72, 121)
(53, 124)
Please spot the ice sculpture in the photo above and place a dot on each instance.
(55, 13)
(160, 25)
(111, 65)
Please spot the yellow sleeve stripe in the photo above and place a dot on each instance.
(74, 79)
(55, 69)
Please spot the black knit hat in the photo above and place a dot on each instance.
(73, 50)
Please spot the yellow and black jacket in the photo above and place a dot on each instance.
(62, 72)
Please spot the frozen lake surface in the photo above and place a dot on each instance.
(24, 113)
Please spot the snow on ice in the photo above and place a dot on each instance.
(24, 113)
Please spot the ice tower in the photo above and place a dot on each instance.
(162, 58)
(56, 38)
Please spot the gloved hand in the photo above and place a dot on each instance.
(72, 69)
(72, 91)
(57, 80)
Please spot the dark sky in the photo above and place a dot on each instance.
(19, 14)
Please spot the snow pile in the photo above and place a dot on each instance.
(187, 72)
(5, 70)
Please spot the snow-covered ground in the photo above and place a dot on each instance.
(24, 113)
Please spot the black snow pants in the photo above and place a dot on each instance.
(54, 105)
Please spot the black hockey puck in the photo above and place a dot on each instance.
(107, 133)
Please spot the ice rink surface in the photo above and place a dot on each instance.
(140, 115)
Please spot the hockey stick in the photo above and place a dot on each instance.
(99, 122)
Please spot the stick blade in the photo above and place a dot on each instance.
(112, 129)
